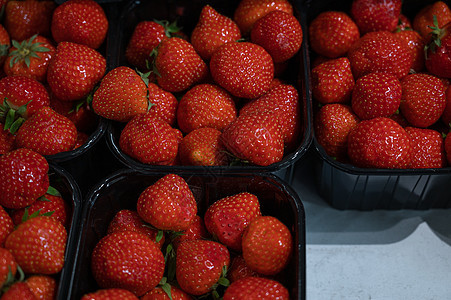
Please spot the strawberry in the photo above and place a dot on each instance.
(200, 265)
(249, 11)
(416, 45)
(332, 81)
(195, 231)
(80, 21)
(23, 19)
(438, 53)
(30, 58)
(150, 140)
(427, 148)
(74, 70)
(446, 115)
(380, 51)
(379, 143)
(47, 132)
(168, 204)
(332, 125)
(213, 30)
(376, 95)
(205, 105)
(19, 290)
(244, 69)
(376, 15)
(424, 19)
(332, 33)
(256, 138)
(239, 269)
(122, 94)
(82, 139)
(6, 225)
(159, 293)
(203, 147)
(267, 245)
(423, 99)
(253, 288)
(164, 104)
(404, 23)
(6, 141)
(38, 245)
(8, 266)
(112, 293)
(5, 43)
(127, 260)
(177, 65)
(43, 286)
(279, 33)
(227, 218)
(23, 179)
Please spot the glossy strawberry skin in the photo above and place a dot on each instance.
(424, 19)
(111, 293)
(7, 265)
(42, 286)
(256, 288)
(19, 290)
(427, 148)
(416, 45)
(6, 141)
(239, 269)
(195, 231)
(438, 58)
(159, 294)
(163, 103)
(375, 15)
(5, 43)
(6, 225)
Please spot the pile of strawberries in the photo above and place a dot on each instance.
(381, 80)
(166, 246)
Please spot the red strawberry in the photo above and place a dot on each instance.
(227, 218)
(164, 104)
(82, 138)
(19, 290)
(333, 81)
(332, 125)
(47, 132)
(80, 21)
(23, 178)
(44, 247)
(279, 33)
(8, 266)
(255, 138)
(438, 55)
(256, 288)
(239, 269)
(376, 95)
(168, 204)
(200, 265)
(379, 143)
(177, 65)
(404, 23)
(332, 33)
(267, 245)
(376, 15)
(424, 19)
(195, 231)
(6, 141)
(205, 105)
(43, 286)
(427, 148)
(127, 260)
(22, 19)
(423, 99)
(159, 293)
(380, 51)
(74, 70)
(112, 293)
(416, 45)
(249, 11)
(122, 94)
(446, 115)
(30, 58)
(244, 69)
(213, 30)
(5, 43)
(150, 140)
(6, 225)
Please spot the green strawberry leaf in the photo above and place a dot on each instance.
(54, 192)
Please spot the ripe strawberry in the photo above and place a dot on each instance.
(404, 23)
(205, 105)
(177, 65)
(227, 218)
(8, 266)
(212, 31)
(380, 51)
(23, 19)
(19, 290)
(159, 294)
(150, 140)
(253, 288)
(256, 138)
(164, 104)
(416, 45)
(47, 132)
(279, 33)
(5, 43)
(332, 81)
(244, 69)
(332, 33)
(376, 95)
(38, 245)
(6, 225)
(332, 125)
(249, 11)
(126, 219)
(80, 21)
(112, 293)
(127, 260)
(82, 138)
(74, 70)
(267, 245)
(200, 265)
(427, 148)
(446, 115)
(239, 269)
(195, 231)
(6, 141)
(423, 99)
(122, 94)
(168, 204)
(379, 143)
(44, 287)
(424, 19)
(438, 55)
(376, 15)
(30, 58)
(23, 178)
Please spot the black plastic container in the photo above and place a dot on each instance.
(187, 14)
(345, 186)
(122, 189)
